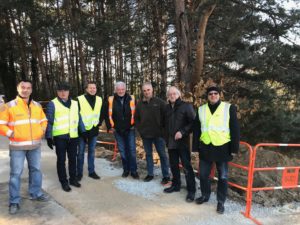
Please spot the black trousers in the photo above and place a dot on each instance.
(205, 183)
(185, 157)
(66, 147)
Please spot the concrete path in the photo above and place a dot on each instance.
(117, 201)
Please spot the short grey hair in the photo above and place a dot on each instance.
(176, 89)
(119, 83)
(147, 84)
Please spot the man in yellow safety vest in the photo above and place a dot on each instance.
(90, 106)
(62, 131)
(216, 137)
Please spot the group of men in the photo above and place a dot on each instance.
(70, 125)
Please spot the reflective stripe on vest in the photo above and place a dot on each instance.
(21, 143)
(65, 120)
(110, 110)
(215, 127)
(90, 117)
(22, 122)
(3, 122)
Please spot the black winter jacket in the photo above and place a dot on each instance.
(217, 153)
(149, 117)
(178, 118)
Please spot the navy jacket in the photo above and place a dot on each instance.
(50, 111)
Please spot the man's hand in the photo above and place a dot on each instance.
(50, 143)
(234, 154)
(84, 136)
(178, 135)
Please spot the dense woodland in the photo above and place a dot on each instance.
(248, 47)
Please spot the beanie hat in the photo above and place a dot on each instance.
(213, 88)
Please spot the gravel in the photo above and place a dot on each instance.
(153, 190)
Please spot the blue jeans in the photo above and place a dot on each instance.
(205, 184)
(17, 158)
(160, 148)
(127, 149)
(92, 141)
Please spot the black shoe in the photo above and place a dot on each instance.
(135, 175)
(13, 208)
(94, 176)
(220, 208)
(165, 180)
(190, 197)
(125, 174)
(79, 177)
(201, 200)
(66, 187)
(148, 178)
(172, 189)
(75, 183)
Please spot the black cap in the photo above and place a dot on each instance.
(213, 88)
(63, 86)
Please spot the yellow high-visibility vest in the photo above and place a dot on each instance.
(90, 117)
(66, 120)
(215, 127)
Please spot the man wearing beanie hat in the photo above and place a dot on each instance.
(64, 121)
(216, 136)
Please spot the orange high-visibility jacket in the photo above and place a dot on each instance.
(24, 125)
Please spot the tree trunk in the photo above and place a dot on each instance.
(198, 64)
(159, 26)
(22, 46)
(183, 44)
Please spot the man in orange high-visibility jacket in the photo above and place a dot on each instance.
(24, 122)
(120, 110)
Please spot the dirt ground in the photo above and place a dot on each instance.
(115, 200)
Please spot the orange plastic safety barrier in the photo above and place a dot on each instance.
(247, 167)
(114, 143)
(289, 180)
(290, 175)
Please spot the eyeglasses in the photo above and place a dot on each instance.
(213, 93)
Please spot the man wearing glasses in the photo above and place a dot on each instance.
(216, 137)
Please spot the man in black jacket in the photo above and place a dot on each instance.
(90, 108)
(179, 122)
(216, 137)
(120, 110)
(149, 119)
